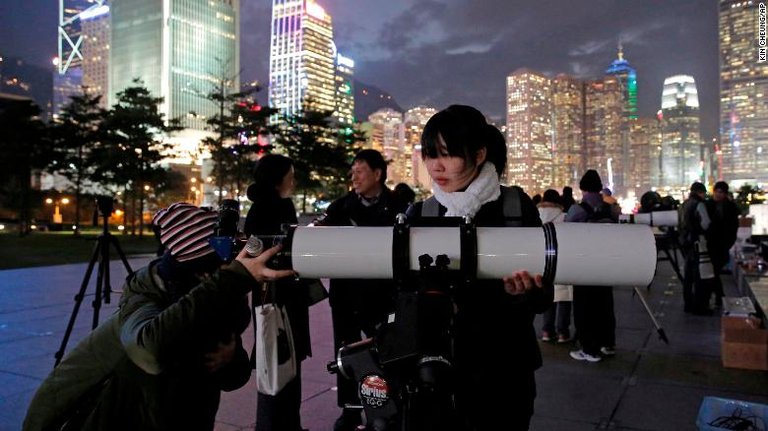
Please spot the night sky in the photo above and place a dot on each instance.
(439, 52)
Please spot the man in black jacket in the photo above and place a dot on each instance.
(694, 222)
(722, 234)
(360, 305)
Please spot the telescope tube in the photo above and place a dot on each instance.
(583, 253)
(655, 218)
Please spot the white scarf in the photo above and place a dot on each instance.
(484, 188)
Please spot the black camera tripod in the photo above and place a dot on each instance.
(103, 288)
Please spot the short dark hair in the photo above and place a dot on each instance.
(722, 186)
(375, 160)
(551, 195)
(465, 132)
(698, 187)
(270, 171)
(405, 193)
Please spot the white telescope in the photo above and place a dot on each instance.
(655, 218)
(582, 254)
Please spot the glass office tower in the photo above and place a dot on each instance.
(743, 93)
(181, 49)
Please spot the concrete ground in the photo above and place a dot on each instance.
(647, 386)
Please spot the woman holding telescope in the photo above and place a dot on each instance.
(465, 157)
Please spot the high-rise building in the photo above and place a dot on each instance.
(414, 121)
(627, 75)
(70, 37)
(68, 78)
(388, 137)
(95, 27)
(529, 131)
(681, 139)
(568, 128)
(645, 143)
(302, 61)
(743, 91)
(181, 50)
(345, 90)
(606, 150)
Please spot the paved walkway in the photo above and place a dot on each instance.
(647, 386)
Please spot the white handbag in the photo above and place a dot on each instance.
(275, 352)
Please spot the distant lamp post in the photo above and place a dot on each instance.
(57, 217)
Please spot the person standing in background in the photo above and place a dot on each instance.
(722, 234)
(593, 314)
(557, 318)
(272, 208)
(359, 306)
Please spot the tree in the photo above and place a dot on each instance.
(75, 135)
(747, 195)
(321, 155)
(240, 132)
(134, 144)
(25, 149)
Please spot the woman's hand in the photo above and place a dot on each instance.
(257, 266)
(521, 282)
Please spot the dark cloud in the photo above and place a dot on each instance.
(447, 51)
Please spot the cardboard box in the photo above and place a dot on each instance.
(742, 345)
(739, 322)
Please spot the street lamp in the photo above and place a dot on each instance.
(57, 217)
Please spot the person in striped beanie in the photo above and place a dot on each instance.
(161, 361)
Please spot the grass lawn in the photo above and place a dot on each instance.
(56, 248)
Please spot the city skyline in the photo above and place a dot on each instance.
(468, 48)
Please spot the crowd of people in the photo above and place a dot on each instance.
(161, 361)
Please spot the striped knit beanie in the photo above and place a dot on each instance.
(185, 230)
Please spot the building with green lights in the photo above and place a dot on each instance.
(628, 79)
(345, 90)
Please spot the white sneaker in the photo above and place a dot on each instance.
(580, 355)
(608, 351)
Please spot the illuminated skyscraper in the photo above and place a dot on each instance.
(181, 50)
(71, 15)
(96, 33)
(604, 126)
(568, 128)
(645, 143)
(415, 120)
(302, 61)
(388, 137)
(68, 79)
(627, 75)
(743, 92)
(529, 130)
(681, 140)
(345, 90)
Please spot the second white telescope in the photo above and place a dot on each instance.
(581, 254)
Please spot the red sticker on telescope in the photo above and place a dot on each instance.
(374, 391)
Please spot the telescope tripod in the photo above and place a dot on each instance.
(103, 287)
(667, 244)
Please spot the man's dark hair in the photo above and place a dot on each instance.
(722, 186)
(698, 187)
(375, 160)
